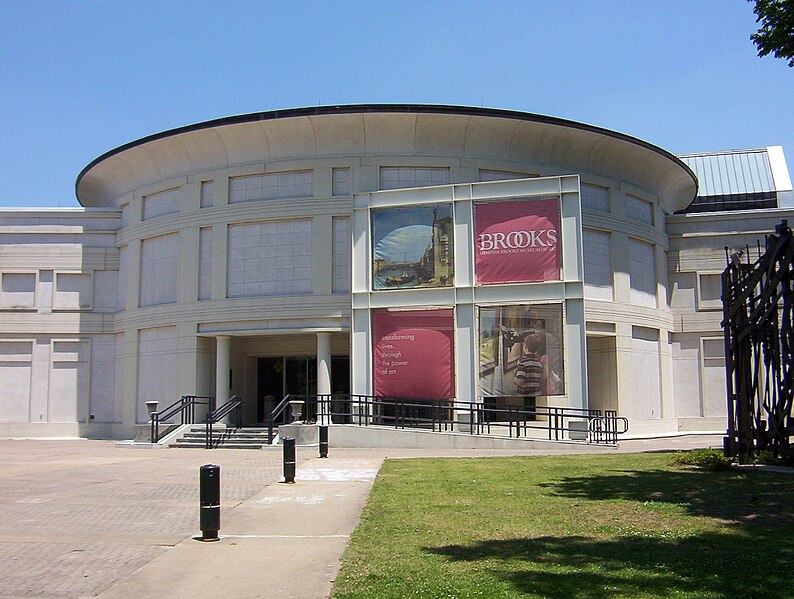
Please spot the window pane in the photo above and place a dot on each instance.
(19, 290)
(162, 203)
(638, 209)
(72, 291)
(296, 184)
(710, 288)
(597, 265)
(272, 258)
(207, 194)
(393, 177)
(642, 273)
(595, 197)
(341, 257)
(341, 182)
(205, 263)
(159, 275)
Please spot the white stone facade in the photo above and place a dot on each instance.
(212, 259)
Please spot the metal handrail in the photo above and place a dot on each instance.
(602, 427)
(218, 414)
(185, 407)
(279, 410)
(275, 413)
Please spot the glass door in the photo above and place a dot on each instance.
(300, 376)
(270, 386)
(280, 376)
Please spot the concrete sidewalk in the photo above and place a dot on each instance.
(283, 542)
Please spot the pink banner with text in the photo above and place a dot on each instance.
(516, 241)
(413, 353)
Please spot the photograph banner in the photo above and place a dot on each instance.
(412, 247)
(521, 350)
(517, 241)
(413, 353)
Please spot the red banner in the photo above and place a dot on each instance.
(413, 353)
(517, 241)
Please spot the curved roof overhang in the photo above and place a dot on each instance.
(386, 130)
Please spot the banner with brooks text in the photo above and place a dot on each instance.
(517, 241)
(413, 353)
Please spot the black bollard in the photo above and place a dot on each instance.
(289, 459)
(209, 501)
(323, 441)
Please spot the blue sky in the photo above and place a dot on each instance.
(80, 78)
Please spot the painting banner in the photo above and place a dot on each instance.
(413, 353)
(516, 241)
(412, 247)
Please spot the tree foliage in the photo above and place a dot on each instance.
(776, 34)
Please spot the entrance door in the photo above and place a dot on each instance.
(340, 389)
(300, 376)
(340, 375)
(270, 386)
(280, 376)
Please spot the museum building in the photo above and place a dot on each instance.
(407, 251)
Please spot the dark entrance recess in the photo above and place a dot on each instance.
(277, 377)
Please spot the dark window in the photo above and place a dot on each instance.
(725, 203)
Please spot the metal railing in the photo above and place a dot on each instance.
(219, 414)
(308, 412)
(184, 407)
(475, 418)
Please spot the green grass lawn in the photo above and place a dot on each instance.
(571, 526)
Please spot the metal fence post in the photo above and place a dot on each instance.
(324, 441)
(289, 459)
(210, 501)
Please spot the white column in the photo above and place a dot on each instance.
(222, 361)
(323, 363)
(323, 373)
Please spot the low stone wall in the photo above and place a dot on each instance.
(347, 435)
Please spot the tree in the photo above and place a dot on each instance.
(776, 35)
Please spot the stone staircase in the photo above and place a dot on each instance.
(224, 438)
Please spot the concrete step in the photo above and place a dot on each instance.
(246, 438)
(201, 445)
(256, 429)
(254, 436)
(230, 431)
(259, 441)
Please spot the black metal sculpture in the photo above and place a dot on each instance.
(758, 304)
